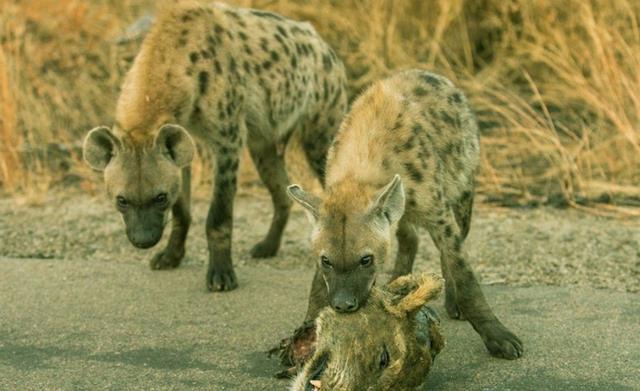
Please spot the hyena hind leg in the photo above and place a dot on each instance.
(272, 171)
(316, 153)
(317, 136)
(171, 256)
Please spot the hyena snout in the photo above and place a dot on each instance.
(344, 302)
(144, 228)
(141, 239)
(349, 291)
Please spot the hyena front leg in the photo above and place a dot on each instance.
(407, 236)
(471, 301)
(173, 253)
(271, 168)
(318, 297)
(220, 275)
(450, 296)
(462, 211)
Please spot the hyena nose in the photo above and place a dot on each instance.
(144, 244)
(345, 304)
(143, 239)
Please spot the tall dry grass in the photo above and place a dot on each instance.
(555, 84)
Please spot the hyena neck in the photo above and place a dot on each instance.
(363, 150)
(350, 195)
(142, 131)
(146, 102)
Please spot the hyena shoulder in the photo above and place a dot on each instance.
(416, 124)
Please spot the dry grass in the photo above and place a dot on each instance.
(555, 84)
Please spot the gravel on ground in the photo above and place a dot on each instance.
(517, 247)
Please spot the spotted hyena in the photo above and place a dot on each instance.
(406, 154)
(224, 76)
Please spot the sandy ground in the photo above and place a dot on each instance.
(517, 247)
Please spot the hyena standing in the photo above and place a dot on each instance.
(227, 75)
(418, 125)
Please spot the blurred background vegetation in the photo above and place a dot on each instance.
(555, 84)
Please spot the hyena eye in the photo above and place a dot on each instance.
(122, 202)
(367, 260)
(325, 262)
(384, 358)
(161, 199)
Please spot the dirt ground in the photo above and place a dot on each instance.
(517, 247)
(92, 325)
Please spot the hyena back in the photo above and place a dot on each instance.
(226, 75)
(417, 128)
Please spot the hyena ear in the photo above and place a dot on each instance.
(99, 147)
(176, 143)
(310, 202)
(411, 292)
(390, 201)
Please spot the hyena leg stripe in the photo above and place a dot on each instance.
(450, 300)
(463, 210)
(172, 254)
(220, 275)
(316, 156)
(407, 248)
(316, 140)
(469, 297)
(272, 171)
(181, 214)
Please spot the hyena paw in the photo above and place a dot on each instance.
(501, 342)
(221, 279)
(264, 249)
(166, 260)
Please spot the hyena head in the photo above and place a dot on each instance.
(351, 236)
(142, 179)
(389, 344)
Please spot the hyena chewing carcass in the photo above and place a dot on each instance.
(406, 154)
(225, 76)
(389, 344)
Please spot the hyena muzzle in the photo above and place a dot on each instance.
(224, 76)
(405, 157)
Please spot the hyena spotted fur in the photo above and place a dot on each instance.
(406, 154)
(225, 76)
